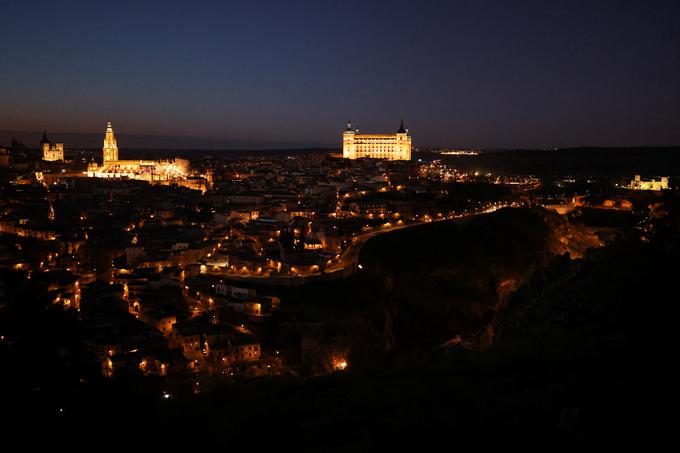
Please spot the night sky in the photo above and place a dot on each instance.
(288, 73)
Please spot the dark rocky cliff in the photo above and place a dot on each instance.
(431, 284)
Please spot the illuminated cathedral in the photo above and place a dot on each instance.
(160, 171)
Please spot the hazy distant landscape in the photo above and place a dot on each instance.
(611, 161)
(131, 141)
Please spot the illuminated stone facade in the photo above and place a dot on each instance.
(377, 146)
(110, 146)
(51, 151)
(637, 183)
(167, 170)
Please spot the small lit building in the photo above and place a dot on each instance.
(51, 151)
(256, 306)
(368, 207)
(159, 320)
(246, 349)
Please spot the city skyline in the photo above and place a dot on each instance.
(337, 225)
(486, 75)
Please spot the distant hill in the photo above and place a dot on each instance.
(75, 140)
(577, 161)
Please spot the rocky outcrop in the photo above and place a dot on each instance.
(428, 284)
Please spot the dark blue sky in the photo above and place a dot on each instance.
(289, 73)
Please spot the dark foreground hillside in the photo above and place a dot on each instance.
(449, 279)
(571, 365)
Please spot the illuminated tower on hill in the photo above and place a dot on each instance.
(110, 147)
(51, 151)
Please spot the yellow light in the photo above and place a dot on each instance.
(340, 364)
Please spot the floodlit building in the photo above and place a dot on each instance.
(51, 151)
(166, 170)
(637, 183)
(395, 146)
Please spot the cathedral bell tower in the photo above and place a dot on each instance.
(110, 146)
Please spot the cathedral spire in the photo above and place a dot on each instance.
(110, 148)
